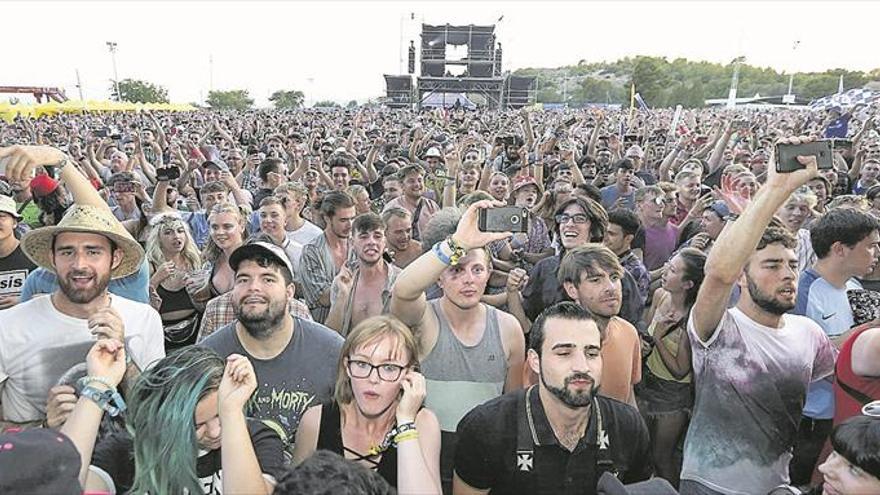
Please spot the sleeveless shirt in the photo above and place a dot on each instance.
(460, 377)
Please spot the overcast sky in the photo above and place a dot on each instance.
(339, 50)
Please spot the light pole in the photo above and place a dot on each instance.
(111, 45)
(791, 75)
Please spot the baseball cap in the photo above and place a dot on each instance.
(259, 248)
(7, 205)
(43, 185)
(38, 460)
(219, 165)
(636, 151)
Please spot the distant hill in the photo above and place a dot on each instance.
(664, 83)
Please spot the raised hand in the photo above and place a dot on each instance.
(23, 160)
(516, 280)
(62, 399)
(344, 279)
(468, 234)
(107, 359)
(414, 391)
(237, 385)
(106, 323)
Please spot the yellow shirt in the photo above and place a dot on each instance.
(655, 362)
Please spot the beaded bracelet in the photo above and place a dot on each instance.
(82, 382)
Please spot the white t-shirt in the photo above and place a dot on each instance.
(304, 235)
(39, 344)
(750, 381)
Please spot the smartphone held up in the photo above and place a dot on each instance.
(505, 219)
(786, 155)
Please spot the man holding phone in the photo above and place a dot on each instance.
(469, 352)
(752, 363)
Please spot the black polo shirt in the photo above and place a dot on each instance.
(486, 457)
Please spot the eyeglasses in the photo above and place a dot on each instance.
(872, 409)
(578, 218)
(387, 372)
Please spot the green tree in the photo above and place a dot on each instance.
(236, 99)
(650, 77)
(351, 104)
(326, 104)
(287, 99)
(137, 91)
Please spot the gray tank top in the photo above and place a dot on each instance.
(460, 377)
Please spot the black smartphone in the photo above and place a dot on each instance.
(570, 122)
(504, 219)
(168, 173)
(786, 155)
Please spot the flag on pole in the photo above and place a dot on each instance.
(641, 102)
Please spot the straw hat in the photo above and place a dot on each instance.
(37, 244)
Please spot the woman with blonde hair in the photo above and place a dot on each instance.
(226, 224)
(172, 255)
(376, 417)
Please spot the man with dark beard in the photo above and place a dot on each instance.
(294, 359)
(751, 363)
(560, 435)
(43, 338)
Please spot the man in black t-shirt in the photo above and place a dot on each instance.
(558, 436)
(14, 265)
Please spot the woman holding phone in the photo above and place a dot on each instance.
(376, 417)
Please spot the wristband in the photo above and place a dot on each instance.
(446, 260)
(108, 400)
(402, 437)
(84, 381)
(458, 252)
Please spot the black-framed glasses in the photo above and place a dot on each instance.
(388, 372)
(577, 218)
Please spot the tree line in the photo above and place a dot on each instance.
(666, 83)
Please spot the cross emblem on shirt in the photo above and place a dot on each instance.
(604, 441)
(524, 461)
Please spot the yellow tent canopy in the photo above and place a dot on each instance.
(8, 112)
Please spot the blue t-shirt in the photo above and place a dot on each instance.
(198, 226)
(610, 195)
(838, 128)
(134, 286)
(829, 307)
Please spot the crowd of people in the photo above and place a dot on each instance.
(305, 302)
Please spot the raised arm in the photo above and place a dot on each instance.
(720, 146)
(739, 239)
(105, 360)
(408, 300)
(241, 469)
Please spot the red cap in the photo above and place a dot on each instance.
(43, 185)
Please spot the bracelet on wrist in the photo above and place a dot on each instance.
(458, 251)
(402, 437)
(86, 380)
(108, 400)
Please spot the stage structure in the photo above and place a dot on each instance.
(458, 61)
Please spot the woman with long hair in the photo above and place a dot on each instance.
(227, 227)
(182, 413)
(665, 394)
(376, 417)
(172, 255)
